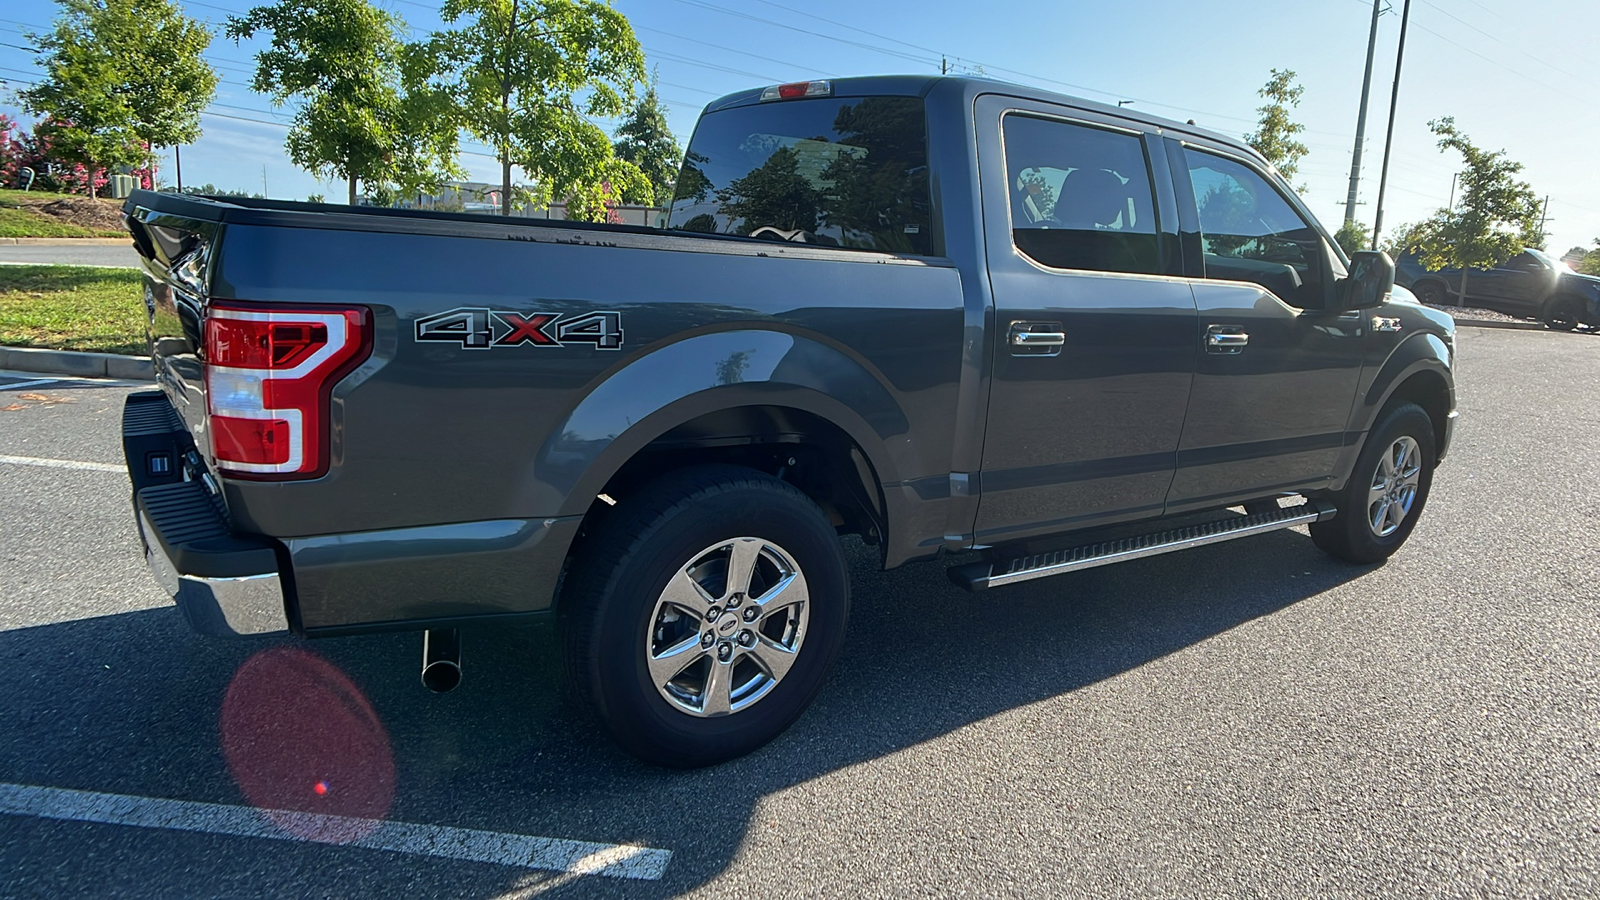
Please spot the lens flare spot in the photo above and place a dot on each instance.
(291, 718)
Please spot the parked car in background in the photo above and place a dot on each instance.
(1532, 284)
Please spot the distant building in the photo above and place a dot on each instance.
(480, 197)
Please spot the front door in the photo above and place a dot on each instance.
(1093, 349)
(1277, 373)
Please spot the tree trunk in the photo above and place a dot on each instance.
(352, 190)
(92, 194)
(1461, 296)
(505, 185)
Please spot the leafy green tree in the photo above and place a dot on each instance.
(646, 141)
(342, 60)
(1274, 137)
(1496, 218)
(83, 98)
(881, 183)
(166, 81)
(1590, 264)
(1353, 236)
(526, 76)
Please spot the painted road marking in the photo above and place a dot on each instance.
(25, 384)
(61, 464)
(520, 850)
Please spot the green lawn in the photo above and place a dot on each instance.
(17, 219)
(72, 308)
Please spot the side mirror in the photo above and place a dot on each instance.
(1370, 280)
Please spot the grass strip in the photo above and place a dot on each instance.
(72, 308)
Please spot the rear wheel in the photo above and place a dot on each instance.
(1430, 292)
(1565, 314)
(1386, 491)
(704, 614)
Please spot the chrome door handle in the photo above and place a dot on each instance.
(1226, 339)
(1038, 338)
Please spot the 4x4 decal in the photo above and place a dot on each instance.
(481, 328)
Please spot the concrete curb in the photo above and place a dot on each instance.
(67, 242)
(73, 362)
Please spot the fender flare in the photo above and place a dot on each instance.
(1421, 352)
(651, 394)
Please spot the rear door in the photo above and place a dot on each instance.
(1277, 373)
(1093, 338)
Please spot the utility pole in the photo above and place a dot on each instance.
(177, 163)
(1544, 211)
(264, 180)
(1388, 142)
(944, 66)
(1453, 178)
(1361, 118)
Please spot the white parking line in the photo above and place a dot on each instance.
(524, 851)
(27, 384)
(60, 464)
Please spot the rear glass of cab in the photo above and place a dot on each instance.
(847, 172)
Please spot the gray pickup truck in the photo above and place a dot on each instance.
(945, 315)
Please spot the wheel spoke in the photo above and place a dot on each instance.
(716, 698)
(742, 565)
(686, 594)
(791, 591)
(1377, 517)
(670, 663)
(775, 659)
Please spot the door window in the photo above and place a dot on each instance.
(1249, 232)
(1080, 197)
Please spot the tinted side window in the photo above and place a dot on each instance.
(1248, 232)
(848, 172)
(1080, 196)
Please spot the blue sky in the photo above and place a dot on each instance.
(1518, 76)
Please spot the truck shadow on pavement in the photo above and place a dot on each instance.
(129, 704)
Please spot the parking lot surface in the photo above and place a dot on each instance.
(1247, 719)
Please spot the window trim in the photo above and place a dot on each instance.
(1151, 175)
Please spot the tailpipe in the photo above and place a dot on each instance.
(441, 659)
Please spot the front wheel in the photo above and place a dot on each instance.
(1565, 314)
(704, 614)
(1430, 293)
(1386, 492)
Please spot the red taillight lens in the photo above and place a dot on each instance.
(260, 442)
(248, 344)
(269, 373)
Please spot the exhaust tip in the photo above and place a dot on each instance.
(441, 676)
(441, 659)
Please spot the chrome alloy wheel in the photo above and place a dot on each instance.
(727, 627)
(1394, 486)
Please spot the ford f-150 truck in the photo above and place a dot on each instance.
(942, 314)
(1532, 284)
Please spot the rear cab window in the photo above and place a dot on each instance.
(848, 172)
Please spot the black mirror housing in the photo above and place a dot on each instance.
(1370, 280)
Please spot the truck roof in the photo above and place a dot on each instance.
(921, 85)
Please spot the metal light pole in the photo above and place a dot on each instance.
(1388, 142)
(1361, 118)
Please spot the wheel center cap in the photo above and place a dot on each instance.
(727, 623)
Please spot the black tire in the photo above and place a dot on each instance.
(609, 609)
(1564, 314)
(1431, 293)
(1351, 535)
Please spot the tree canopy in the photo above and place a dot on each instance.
(524, 76)
(120, 76)
(341, 59)
(1274, 137)
(645, 140)
(1497, 216)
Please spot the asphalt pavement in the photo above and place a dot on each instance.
(1242, 720)
(119, 255)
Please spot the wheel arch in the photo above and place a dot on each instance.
(1420, 370)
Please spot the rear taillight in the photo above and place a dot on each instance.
(269, 373)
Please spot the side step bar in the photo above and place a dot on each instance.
(983, 575)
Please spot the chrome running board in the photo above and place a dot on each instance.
(983, 575)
